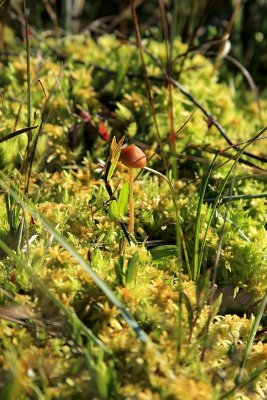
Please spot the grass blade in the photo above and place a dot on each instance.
(197, 260)
(238, 197)
(253, 330)
(17, 133)
(159, 252)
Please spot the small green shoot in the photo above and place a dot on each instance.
(115, 151)
(13, 211)
(126, 275)
(132, 268)
(113, 210)
(118, 264)
(123, 200)
(118, 208)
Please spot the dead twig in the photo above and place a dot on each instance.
(212, 121)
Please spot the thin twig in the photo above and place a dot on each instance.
(186, 93)
(212, 120)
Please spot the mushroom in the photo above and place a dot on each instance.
(132, 157)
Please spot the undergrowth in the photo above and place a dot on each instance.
(87, 310)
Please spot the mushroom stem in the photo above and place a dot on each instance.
(132, 157)
(131, 202)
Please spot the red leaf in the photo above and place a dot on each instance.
(103, 132)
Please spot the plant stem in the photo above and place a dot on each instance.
(27, 44)
(131, 202)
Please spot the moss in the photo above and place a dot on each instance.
(193, 351)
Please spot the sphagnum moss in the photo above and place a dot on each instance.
(48, 354)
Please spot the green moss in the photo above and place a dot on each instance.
(195, 351)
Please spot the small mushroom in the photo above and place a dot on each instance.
(132, 157)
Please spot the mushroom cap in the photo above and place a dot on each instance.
(133, 157)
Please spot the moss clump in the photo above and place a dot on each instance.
(72, 342)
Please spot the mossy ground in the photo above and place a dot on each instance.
(44, 355)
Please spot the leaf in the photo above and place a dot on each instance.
(122, 71)
(103, 131)
(123, 199)
(115, 151)
(190, 314)
(113, 211)
(16, 133)
(113, 145)
(132, 267)
(160, 252)
(119, 270)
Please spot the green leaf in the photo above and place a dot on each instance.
(119, 270)
(190, 314)
(132, 267)
(115, 151)
(113, 211)
(112, 168)
(160, 252)
(123, 199)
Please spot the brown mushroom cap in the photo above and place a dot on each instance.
(133, 157)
